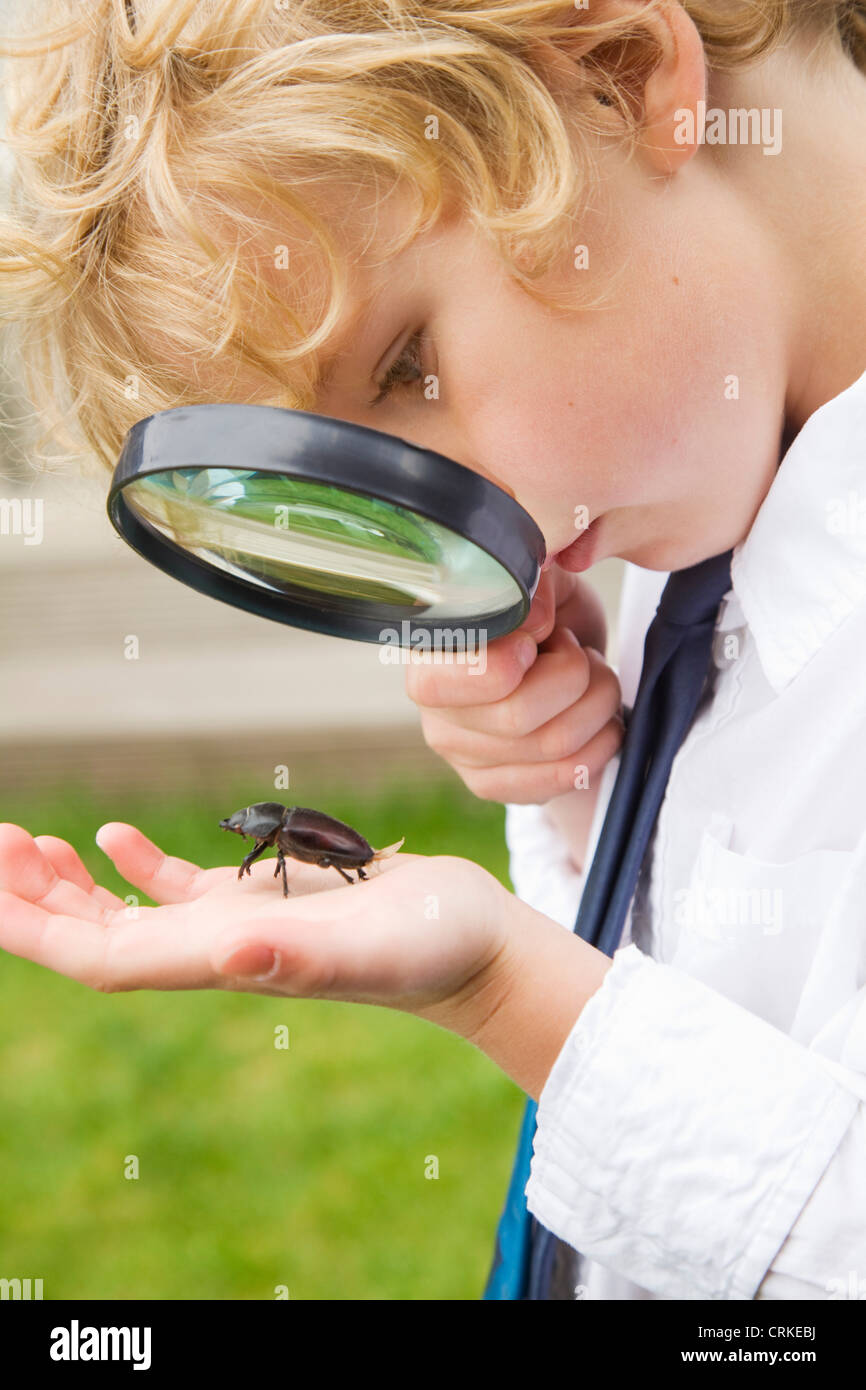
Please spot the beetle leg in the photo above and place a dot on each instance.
(253, 854)
(325, 863)
(361, 875)
(281, 864)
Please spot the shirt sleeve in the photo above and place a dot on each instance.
(542, 871)
(824, 1256)
(687, 1144)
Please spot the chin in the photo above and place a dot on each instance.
(665, 555)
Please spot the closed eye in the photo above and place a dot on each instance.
(406, 370)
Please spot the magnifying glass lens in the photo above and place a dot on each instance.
(295, 535)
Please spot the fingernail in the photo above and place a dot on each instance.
(97, 839)
(252, 962)
(526, 650)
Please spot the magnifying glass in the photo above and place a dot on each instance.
(324, 524)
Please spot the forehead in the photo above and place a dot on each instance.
(369, 233)
(385, 253)
(275, 250)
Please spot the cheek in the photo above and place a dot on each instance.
(683, 465)
(705, 402)
(672, 397)
(568, 439)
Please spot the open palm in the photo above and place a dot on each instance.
(417, 935)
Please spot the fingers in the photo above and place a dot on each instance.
(67, 943)
(436, 685)
(457, 685)
(26, 871)
(560, 675)
(582, 611)
(66, 863)
(525, 783)
(161, 876)
(528, 748)
(563, 702)
(561, 600)
(153, 950)
(542, 610)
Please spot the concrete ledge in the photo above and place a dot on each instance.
(212, 766)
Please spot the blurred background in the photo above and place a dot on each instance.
(120, 679)
(307, 1166)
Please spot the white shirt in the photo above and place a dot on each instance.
(702, 1134)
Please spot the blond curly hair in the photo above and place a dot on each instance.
(146, 133)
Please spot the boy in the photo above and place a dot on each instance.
(702, 392)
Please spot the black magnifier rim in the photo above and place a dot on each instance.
(303, 444)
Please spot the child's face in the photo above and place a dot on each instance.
(629, 410)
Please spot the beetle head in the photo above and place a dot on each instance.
(236, 821)
(262, 820)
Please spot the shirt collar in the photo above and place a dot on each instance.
(801, 570)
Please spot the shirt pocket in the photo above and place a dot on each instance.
(750, 927)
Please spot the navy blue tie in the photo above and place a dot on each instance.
(675, 664)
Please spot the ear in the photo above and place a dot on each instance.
(659, 65)
(673, 119)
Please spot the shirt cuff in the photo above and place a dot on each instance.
(679, 1135)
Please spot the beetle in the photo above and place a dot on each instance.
(305, 834)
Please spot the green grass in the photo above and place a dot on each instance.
(258, 1167)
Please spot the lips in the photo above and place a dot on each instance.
(577, 556)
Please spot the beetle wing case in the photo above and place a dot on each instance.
(317, 833)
